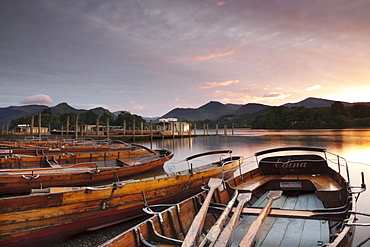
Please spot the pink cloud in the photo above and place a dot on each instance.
(275, 95)
(39, 99)
(201, 59)
(218, 84)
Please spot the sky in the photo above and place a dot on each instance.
(151, 56)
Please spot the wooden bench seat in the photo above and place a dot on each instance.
(321, 182)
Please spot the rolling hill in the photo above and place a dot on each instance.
(212, 110)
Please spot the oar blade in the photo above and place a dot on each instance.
(244, 197)
(198, 221)
(274, 194)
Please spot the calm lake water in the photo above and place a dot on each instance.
(352, 144)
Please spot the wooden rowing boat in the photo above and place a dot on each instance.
(126, 164)
(291, 200)
(14, 158)
(51, 215)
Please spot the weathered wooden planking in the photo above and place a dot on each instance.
(285, 231)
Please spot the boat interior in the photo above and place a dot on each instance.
(315, 202)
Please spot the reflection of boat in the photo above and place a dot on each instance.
(316, 208)
(47, 216)
(127, 164)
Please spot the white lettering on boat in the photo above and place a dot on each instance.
(290, 164)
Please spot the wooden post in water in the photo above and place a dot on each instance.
(173, 129)
(97, 126)
(67, 126)
(181, 126)
(232, 129)
(124, 127)
(164, 128)
(207, 129)
(62, 130)
(7, 128)
(32, 123)
(76, 128)
(108, 127)
(216, 129)
(225, 130)
(39, 126)
(151, 130)
(142, 128)
(204, 129)
(195, 129)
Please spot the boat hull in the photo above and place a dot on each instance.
(45, 217)
(14, 181)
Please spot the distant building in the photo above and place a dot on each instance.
(26, 129)
(169, 126)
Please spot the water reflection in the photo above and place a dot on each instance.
(353, 144)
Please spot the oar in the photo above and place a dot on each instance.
(198, 222)
(254, 232)
(227, 234)
(212, 235)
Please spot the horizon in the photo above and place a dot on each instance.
(196, 107)
(149, 58)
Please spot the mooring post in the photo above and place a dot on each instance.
(67, 126)
(108, 127)
(173, 129)
(76, 128)
(39, 127)
(97, 126)
(124, 127)
(32, 124)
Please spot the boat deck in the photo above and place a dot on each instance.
(287, 231)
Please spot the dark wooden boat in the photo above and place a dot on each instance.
(136, 162)
(289, 200)
(29, 157)
(53, 214)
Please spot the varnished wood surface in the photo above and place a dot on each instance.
(81, 208)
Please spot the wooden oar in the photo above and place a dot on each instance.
(227, 234)
(212, 235)
(198, 222)
(254, 232)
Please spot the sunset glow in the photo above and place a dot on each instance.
(182, 53)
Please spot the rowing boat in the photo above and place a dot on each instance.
(102, 170)
(290, 199)
(53, 214)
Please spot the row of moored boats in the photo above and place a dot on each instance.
(288, 196)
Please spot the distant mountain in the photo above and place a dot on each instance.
(250, 108)
(311, 102)
(63, 108)
(234, 106)
(13, 112)
(7, 114)
(211, 110)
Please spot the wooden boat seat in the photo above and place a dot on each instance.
(320, 182)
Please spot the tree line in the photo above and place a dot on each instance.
(337, 116)
(58, 121)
